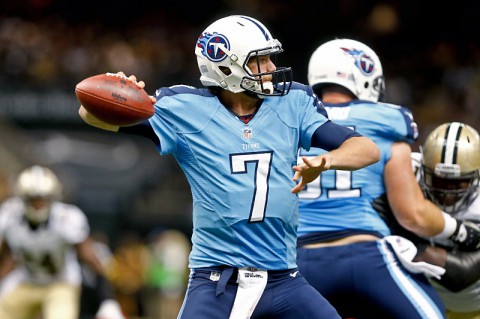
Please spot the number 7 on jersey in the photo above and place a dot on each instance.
(263, 162)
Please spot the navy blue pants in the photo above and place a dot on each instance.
(366, 281)
(286, 296)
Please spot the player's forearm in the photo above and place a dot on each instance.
(86, 254)
(405, 196)
(6, 266)
(7, 262)
(355, 153)
(423, 218)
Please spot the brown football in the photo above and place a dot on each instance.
(114, 99)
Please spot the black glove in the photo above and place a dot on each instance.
(462, 270)
(466, 236)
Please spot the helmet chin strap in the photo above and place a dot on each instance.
(267, 89)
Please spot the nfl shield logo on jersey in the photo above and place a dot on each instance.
(247, 133)
(215, 275)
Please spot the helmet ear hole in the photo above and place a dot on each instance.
(365, 85)
(225, 70)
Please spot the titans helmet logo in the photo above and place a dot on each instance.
(212, 44)
(363, 61)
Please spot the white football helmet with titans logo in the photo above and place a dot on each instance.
(37, 186)
(350, 64)
(450, 166)
(225, 47)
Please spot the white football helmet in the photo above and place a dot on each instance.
(225, 47)
(350, 64)
(450, 166)
(37, 183)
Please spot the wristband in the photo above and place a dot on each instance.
(449, 228)
(105, 289)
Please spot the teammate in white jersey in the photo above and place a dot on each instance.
(344, 249)
(41, 239)
(448, 172)
(237, 142)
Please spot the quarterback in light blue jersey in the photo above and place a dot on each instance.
(345, 249)
(237, 141)
(240, 173)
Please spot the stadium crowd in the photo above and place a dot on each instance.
(433, 68)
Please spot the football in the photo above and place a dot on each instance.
(114, 99)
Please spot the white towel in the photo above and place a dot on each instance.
(406, 251)
(251, 284)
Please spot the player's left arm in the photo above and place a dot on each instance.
(7, 262)
(348, 151)
(109, 307)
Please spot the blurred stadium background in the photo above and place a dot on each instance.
(430, 52)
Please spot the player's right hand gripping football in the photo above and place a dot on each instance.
(466, 236)
(94, 121)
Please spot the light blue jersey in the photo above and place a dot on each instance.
(339, 203)
(244, 213)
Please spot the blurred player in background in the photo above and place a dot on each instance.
(42, 237)
(344, 251)
(448, 170)
(237, 142)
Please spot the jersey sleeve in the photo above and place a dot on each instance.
(163, 125)
(174, 110)
(394, 123)
(313, 117)
(73, 224)
(330, 136)
(3, 219)
(7, 213)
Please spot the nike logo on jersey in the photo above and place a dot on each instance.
(294, 274)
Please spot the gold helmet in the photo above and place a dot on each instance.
(450, 166)
(37, 186)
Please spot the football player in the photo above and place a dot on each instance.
(344, 249)
(448, 170)
(236, 141)
(42, 238)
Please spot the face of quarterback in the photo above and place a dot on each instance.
(263, 66)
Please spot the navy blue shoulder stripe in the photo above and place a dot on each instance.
(181, 89)
(303, 87)
(308, 90)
